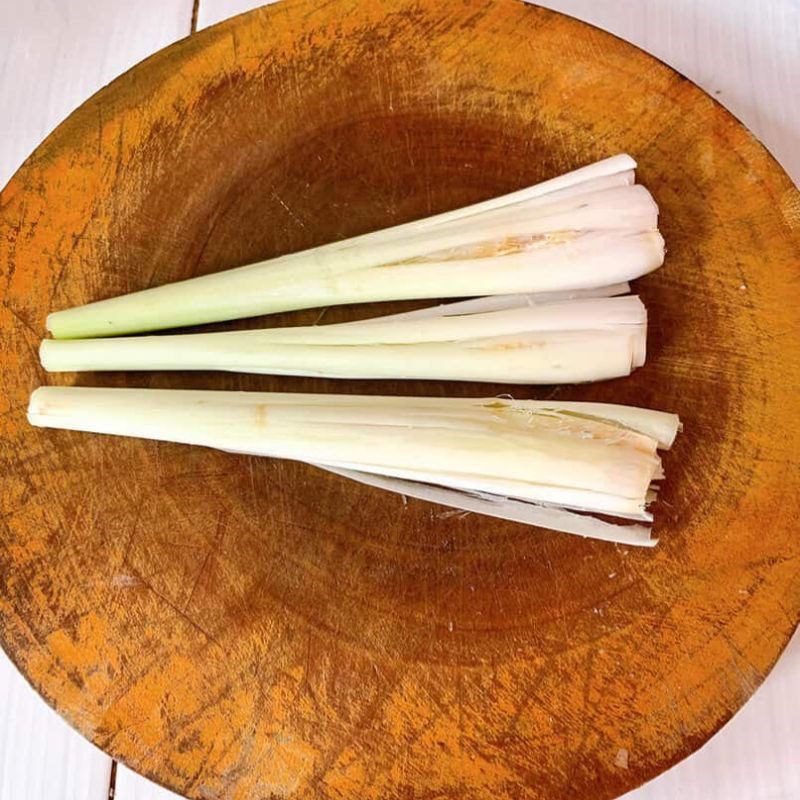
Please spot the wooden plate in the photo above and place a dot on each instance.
(242, 628)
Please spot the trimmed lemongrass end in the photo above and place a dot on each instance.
(590, 228)
(585, 457)
(522, 339)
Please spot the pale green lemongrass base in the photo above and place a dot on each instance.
(591, 457)
(589, 228)
(526, 340)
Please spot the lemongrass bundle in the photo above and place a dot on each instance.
(530, 339)
(543, 462)
(589, 228)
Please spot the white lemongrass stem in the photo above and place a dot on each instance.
(590, 457)
(557, 519)
(551, 496)
(588, 229)
(660, 426)
(568, 341)
(501, 302)
(621, 164)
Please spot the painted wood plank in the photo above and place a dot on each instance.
(41, 757)
(213, 11)
(56, 53)
(131, 786)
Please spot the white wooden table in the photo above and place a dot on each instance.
(55, 53)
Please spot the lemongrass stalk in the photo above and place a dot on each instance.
(660, 426)
(532, 358)
(501, 302)
(577, 261)
(557, 342)
(591, 457)
(625, 207)
(587, 229)
(558, 519)
(550, 496)
(621, 164)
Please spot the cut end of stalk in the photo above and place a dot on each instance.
(53, 323)
(50, 354)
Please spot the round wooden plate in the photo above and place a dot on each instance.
(242, 628)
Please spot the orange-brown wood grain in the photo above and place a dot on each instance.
(246, 628)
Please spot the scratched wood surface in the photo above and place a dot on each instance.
(236, 627)
(53, 55)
